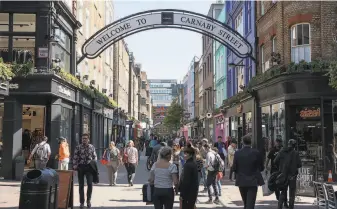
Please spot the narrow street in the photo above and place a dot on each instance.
(123, 196)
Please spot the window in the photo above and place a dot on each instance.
(262, 7)
(240, 77)
(87, 24)
(80, 15)
(62, 49)
(300, 43)
(273, 42)
(262, 58)
(249, 13)
(23, 49)
(24, 22)
(4, 21)
(239, 23)
(65, 125)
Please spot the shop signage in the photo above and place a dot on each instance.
(310, 113)
(221, 32)
(98, 107)
(42, 52)
(108, 112)
(86, 101)
(64, 91)
(4, 87)
(305, 180)
(13, 86)
(239, 109)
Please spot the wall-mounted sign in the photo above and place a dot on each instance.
(42, 52)
(4, 87)
(239, 109)
(64, 91)
(13, 86)
(310, 113)
(86, 101)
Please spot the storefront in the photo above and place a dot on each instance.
(97, 128)
(305, 112)
(240, 117)
(108, 117)
(86, 110)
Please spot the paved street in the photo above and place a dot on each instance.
(122, 196)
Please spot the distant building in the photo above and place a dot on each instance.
(163, 91)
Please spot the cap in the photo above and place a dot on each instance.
(291, 142)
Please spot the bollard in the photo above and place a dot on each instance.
(39, 189)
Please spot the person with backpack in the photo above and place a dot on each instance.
(248, 165)
(64, 154)
(221, 147)
(114, 160)
(212, 165)
(288, 162)
(41, 154)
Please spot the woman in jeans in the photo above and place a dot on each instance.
(164, 175)
(114, 156)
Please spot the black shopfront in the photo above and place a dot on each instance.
(240, 117)
(301, 107)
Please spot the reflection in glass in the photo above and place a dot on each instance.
(278, 121)
(234, 127)
(86, 123)
(24, 22)
(65, 129)
(4, 22)
(248, 123)
(59, 53)
(23, 49)
(4, 48)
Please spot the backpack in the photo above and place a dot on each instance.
(219, 164)
(114, 154)
(41, 152)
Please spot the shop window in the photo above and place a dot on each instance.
(4, 22)
(23, 49)
(63, 39)
(239, 23)
(249, 126)
(24, 22)
(66, 124)
(300, 43)
(1, 125)
(278, 121)
(265, 118)
(273, 41)
(4, 48)
(86, 123)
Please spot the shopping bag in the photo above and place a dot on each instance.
(265, 190)
(104, 161)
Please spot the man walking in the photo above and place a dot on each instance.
(41, 154)
(211, 175)
(273, 168)
(83, 155)
(131, 153)
(288, 162)
(221, 146)
(231, 153)
(248, 165)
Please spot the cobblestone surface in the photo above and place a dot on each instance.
(122, 196)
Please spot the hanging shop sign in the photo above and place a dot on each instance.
(167, 18)
(310, 112)
(305, 180)
(4, 88)
(85, 101)
(239, 109)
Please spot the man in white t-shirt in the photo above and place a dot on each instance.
(211, 175)
(41, 153)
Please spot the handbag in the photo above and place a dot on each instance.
(125, 157)
(265, 188)
(104, 160)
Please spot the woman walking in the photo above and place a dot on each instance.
(189, 181)
(114, 157)
(164, 175)
(131, 161)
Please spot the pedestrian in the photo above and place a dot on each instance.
(84, 154)
(189, 182)
(200, 163)
(40, 154)
(221, 147)
(64, 154)
(176, 154)
(218, 175)
(131, 162)
(113, 154)
(231, 152)
(203, 153)
(288, 162)
(273, 167)
(211, 175)
(164, 175)
(248, 165)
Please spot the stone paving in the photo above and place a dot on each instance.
(122, 196)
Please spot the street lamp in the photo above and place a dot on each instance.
(235, 65)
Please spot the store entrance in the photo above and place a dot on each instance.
(33, 127)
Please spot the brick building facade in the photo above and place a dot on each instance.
(290, 97)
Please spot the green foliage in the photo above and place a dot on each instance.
(6, 73)
(22, 69)
(332, 73)
(174, 115)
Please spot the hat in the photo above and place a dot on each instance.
(205, 140)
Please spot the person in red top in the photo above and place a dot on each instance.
(64, 154)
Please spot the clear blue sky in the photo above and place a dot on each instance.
(163, 53)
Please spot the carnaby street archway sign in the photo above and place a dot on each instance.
(165, 18)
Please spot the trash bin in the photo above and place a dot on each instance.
(39, 189)
(19, 167)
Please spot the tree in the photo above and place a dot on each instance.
(174, 115)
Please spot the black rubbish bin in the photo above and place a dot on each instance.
(39, 189)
